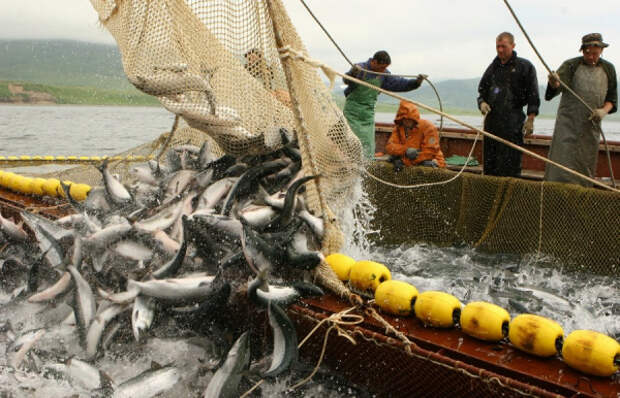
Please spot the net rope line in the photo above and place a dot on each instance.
(371, 311)
(329, 36)
(567, 88)
(408, 344)
(287, 51)
(335, 321)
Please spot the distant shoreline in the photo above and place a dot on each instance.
(34, 94)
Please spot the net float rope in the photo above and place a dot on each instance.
(587, 351)
(25, 160)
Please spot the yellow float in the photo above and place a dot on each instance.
(367, 275)
(438, 309)
(485, 321)
(536, 335)
(396, 297)
(591, 352)
(341, 264)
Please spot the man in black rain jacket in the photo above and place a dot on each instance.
(507, 85)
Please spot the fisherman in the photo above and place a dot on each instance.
(577, 130)
(256, 65)
(414, 141)
(359, 107)
(507, 85)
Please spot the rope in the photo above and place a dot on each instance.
(567, 88)
(17, 161)
(336, 320)
(329, 36)
(289, 52)
(408, 344)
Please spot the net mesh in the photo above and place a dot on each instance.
(216, 64)
(579, 227)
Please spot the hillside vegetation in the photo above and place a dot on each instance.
(74, 72)
(71, 72)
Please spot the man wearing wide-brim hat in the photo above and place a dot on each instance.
(577, 130)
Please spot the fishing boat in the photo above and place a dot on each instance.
(458, 141)
(422, 361)
(389, 355)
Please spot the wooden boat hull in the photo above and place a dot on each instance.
(441, 363)
(455, 141)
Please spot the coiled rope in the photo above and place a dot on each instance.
(287, 51)
(567, 88)
(329, 36)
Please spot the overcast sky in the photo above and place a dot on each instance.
(446, 39)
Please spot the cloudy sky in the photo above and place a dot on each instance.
(446, 39)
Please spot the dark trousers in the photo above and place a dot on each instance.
(500, 159)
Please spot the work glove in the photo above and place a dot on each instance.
(411, 153)
(528, 127)
(485, 108)
(554, 79)
(598, 114)
(430, 163)
(398, 165)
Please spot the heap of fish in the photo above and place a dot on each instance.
(207, 243)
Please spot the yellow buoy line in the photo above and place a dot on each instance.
(24, 160)
(42, 186)
(587, 351)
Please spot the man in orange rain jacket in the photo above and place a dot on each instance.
(414, 141)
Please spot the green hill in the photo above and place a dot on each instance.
(71, 72)
(62, 63)
(74, 72)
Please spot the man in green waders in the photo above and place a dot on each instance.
(359, 107)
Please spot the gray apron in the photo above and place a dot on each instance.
(575, 138)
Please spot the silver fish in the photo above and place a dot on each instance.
(149, 383)
(82, 374)
(25, 345)
(165, 242)
(61, 286)
(117, 193)
(225, 382)
(216, 192)
(84, 305)
(142, 315)
(145, 175)
(133, 250)
(162, 220)
(107, 236)
(257, 216)
(12, 231)
(179, 289)
(97, 326)
(167, 82)
(284, 341)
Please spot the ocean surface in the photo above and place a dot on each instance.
(575, 300)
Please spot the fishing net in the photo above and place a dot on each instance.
(216, 65)
(577, 227)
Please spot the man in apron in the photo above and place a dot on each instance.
(577, 130)
(359, 106)
(507, 85)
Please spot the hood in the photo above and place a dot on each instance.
(407, 110)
